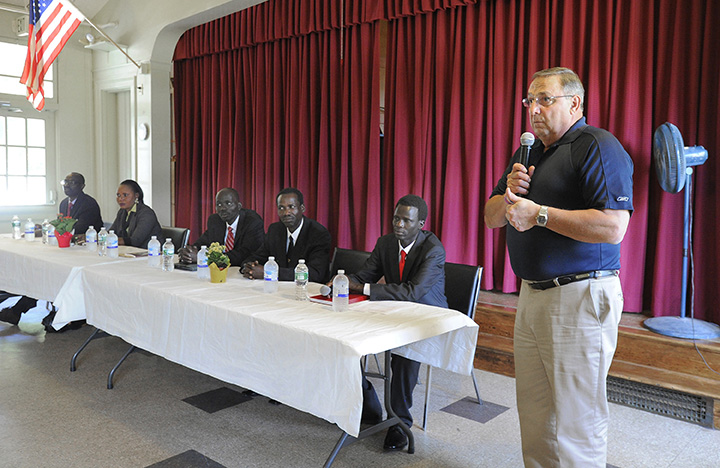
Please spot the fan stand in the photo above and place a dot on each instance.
(682, 326)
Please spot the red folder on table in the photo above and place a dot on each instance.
(327, 300)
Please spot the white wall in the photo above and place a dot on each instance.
(73, 146)
(150, 30)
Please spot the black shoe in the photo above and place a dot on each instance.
(274, 402)
(250, 393)
(395, 439)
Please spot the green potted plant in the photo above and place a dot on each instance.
(63, 229)
(218, 262)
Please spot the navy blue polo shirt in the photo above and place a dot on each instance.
(587, 168)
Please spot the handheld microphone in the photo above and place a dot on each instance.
(526, 141)
(325, 290)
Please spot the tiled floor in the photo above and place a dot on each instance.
(157, 416)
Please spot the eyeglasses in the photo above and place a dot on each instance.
(545, 101)
(70, 182)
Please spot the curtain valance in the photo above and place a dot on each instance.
(282, 19)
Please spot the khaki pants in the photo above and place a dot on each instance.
(565, 338)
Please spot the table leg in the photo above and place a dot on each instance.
(96, 334)
(112, 372)
(392, 419)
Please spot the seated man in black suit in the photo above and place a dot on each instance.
(291, 239)
(236, 227)
(413, 264)
(79, 205)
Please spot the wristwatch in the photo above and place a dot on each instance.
(542, 217)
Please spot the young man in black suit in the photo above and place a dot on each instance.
(294, 237)
(413, 264)
(79, 205)
(231, 224)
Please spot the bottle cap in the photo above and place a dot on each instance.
(168, 239)
(153, 237)
(301, 261)
(341, 272)
(271, 258)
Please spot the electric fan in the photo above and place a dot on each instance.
(673, 166)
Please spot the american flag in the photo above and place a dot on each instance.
(51, 24)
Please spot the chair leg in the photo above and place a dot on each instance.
(428, 381)
(477, 392)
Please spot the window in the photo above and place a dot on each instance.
(27, 166)
(23, 178)
(11, 68)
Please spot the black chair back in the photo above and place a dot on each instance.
(178, 235)
(462, 285)
(351, 261)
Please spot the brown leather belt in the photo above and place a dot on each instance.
(567, 279)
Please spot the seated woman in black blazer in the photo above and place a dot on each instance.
(135, 222)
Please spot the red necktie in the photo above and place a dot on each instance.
(402, 262)
(70, 205)
(230, 241)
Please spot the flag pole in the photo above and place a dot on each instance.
(111, 41)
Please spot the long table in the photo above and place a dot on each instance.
(41, 271)
(302, 354)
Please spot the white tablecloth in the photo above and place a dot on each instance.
(302, 354)
(39, 270)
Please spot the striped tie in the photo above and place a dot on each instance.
(230, 240)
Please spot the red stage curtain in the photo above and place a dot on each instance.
(263, 102)
(284, 113)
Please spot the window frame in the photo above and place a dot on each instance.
(15, 105)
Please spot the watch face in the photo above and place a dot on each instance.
(542, 217)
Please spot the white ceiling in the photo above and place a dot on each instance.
(88, 7)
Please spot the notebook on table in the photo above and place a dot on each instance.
(327, 300)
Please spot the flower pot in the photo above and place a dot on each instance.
(63, 240)
(217, 275)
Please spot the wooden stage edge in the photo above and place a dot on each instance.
(642, 356)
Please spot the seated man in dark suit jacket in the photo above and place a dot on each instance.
(82, 207)
(413, 264)
(295, 237)
(246, 227)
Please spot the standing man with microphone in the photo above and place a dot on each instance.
(567, 210)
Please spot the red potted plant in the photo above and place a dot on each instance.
(63, 229)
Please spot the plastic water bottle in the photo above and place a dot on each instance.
(168, 255)
(45, 227)
(112, 244)
(154, 252)
(341, 286)
(271, 276)
(203, 272)
(301, 281)
(102, 242)
(91, 239)
(52, 240)
(16, 230)
(29, 230)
